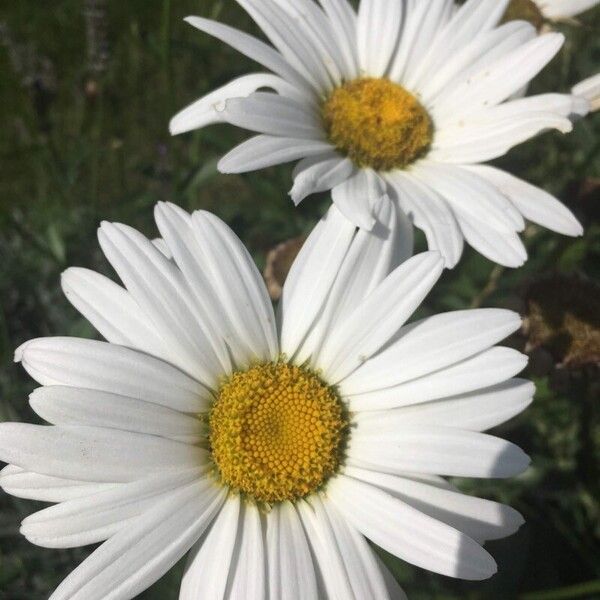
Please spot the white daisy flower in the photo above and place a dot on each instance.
(269, 448)
(589, 89)
(404, 100)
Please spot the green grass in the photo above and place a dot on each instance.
(80, 146)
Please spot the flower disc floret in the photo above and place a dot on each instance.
(377, 123)
(276, 432)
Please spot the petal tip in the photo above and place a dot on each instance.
(224, 167)
(175, 126)
(515, 320)
(20, 351)
(575, 229)
(514, 463)
(490, 571)
(519, 520)
(297, 194)
(65, 277)
(479, 567)
(525, 462)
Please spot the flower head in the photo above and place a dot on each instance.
(268, 449)
(405, 100)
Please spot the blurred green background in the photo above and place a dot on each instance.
(87, 88)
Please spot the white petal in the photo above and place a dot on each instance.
(253, 48)
(176, 227)
(496, 82)
(309, 281)
(208, 563)
(483, 370)
(356, 196)
(347, 564)
(274, 115)
(407, 533)
(369, 260)
(160, 288)
(457, 65)
(162, 246)
(572, 106)
(431, 213)
(476, 411)
(493, 131)
(289, 558)
(505, 248)
(423, 21)
(343, 22)
(378, 27)
(495, 236)
(247, 577)
(438, 450)
(332, 578)
(431, 344)
(534, 203)
(33, 486)
(375, 320)
(492, 135)
(110, 368)
(313, 24)
(211, 108)
(319, 174)
(480, 519)
(111, 310)
(239, 284)
(89, 520)
(470, 195)
(133, 559)
(93, 454)
(511, 41)
(290, 41)
(472, 18)
(61, 405)
(372, 256)
(266, 151)
(559, 105)
(402, 232)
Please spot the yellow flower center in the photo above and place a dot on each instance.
(276, 432)
(524, 10)
(377, 124)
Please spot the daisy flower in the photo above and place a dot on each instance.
(267, 448)
(538, 12)
(404, 100)
(589, 89)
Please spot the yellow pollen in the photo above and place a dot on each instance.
(524, 10)
(377, 124)
(276, 432)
